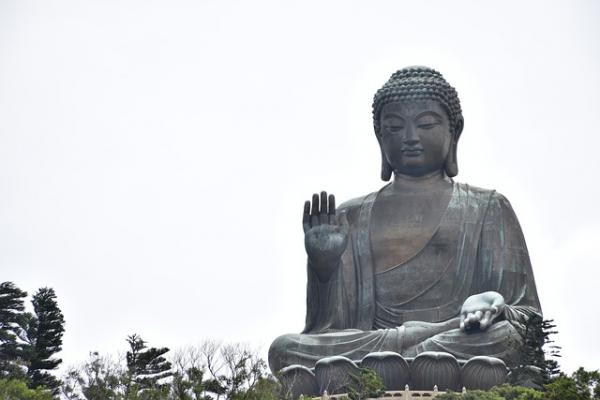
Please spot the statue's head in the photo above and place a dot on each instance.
(418, 121)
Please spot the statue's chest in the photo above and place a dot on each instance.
(401, 227)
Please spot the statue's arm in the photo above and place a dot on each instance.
(503, 262)
(328, 299)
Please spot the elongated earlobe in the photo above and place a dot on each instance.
(386, 168)
(451, 164)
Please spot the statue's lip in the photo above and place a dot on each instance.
(412, 151)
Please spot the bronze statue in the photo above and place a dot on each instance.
(425, 263)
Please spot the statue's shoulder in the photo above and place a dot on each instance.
(351, 205)
(488, 196)
(474, 190)
(352, 208)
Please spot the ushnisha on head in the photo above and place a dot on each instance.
(419, 84)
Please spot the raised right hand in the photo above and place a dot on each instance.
(325, 235)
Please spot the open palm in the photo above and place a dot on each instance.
(325, 235)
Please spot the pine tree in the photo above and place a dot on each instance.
(12, 318)
(146, 366)
(45, 329)
(552, 351)
(537, 363)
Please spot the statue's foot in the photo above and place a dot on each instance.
(298, 380)
(334, 374)
(391, 367)
(433, 368)
(483, 372)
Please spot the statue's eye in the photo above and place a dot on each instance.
(395, 128)
(428, 125)
(427, 121)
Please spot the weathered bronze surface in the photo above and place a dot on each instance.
(425, 264)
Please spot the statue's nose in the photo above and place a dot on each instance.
(411, 138)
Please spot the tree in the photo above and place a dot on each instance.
(146, 367)
(367, 384)
(188, 375)
(12, 318)
(581, 385)
(216, 371)
(537, 364)
(234, 370)
(470, 395)
(503, 392)
(243, 370)
(563, 388)
(99, 378)
(550, 367)
(266, 388)
(189, 385)
(509, 392)
(45, 330)
(14, 389)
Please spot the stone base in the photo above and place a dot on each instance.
(429, 371)
(395, 394)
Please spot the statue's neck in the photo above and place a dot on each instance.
(433, 181)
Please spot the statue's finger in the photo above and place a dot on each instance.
(323, 217)
(314, 212)
(486, 320)
(306, 216)
(478, 315)
(470, 318)
(331, 208)
(314, 204)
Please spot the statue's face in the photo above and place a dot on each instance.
(415, 136)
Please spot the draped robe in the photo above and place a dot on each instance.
(415, 306)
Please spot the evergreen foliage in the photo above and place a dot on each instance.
(13, 389)
(470, 395)
(266, 388)
(12, 318)
(189, 385)
(503, 392)
(537, 364)
(367, 384)
(98, 379)
(581, 385)
(242, 371)
(509, 392)
(210, 372)
(45, 330)
(146, 367)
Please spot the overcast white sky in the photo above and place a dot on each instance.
(155, 155)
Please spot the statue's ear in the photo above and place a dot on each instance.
(386, 168)
(451, 165)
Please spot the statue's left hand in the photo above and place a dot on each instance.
(480, 310)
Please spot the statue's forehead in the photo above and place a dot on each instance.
(413, 107)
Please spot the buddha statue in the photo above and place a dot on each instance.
(425, 264)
